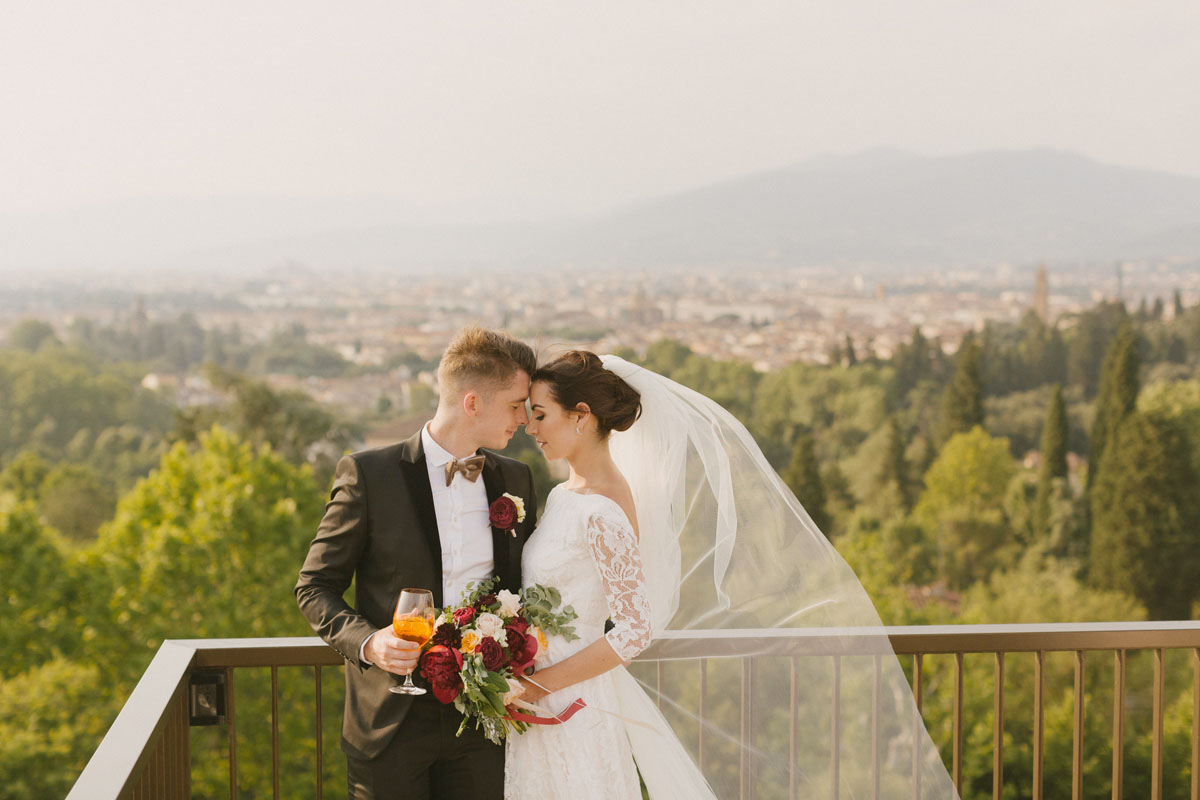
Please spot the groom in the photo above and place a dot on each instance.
(415, 515)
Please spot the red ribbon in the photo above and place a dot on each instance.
(521, 716)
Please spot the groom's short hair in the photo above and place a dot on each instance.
(482, 359)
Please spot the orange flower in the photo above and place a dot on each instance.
(470, 640)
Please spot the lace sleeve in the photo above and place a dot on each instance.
(615, 550)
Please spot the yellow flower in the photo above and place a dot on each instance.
(542, 644)
(470, 640)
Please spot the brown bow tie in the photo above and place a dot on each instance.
(469, 467)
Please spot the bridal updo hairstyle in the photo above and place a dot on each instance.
(578, 376)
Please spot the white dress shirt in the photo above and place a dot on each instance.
(463, 523)
(464, 526)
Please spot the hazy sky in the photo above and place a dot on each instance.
(532, 107)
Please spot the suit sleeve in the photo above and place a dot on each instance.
(332, 560)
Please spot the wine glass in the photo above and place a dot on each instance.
(413, 622)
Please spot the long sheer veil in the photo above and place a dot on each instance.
(726, 546)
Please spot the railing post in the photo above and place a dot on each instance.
(1118, 767)
(1195, 723)
(1038, 721)
(835, 734)
(747, 740)
(998, 729)
(320, 721)
(794, 726)
(1156, 758)
(231, 721)
(958, 720)
(1077, 735)
(918, 723)
(703, 709)
(875, 691)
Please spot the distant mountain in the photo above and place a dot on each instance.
(882, 206)
(892, 207)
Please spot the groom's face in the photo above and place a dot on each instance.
(500, 411)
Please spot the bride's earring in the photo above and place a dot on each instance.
(579, 429)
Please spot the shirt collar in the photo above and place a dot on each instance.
(435, 454)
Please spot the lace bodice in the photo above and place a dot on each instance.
(585, 547)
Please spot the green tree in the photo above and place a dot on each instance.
(803, 477)
(31, 334)
(963, 504)
(1178, 401)
(1146, 517)
(1117, 398)
(76, 501)
(894, 469)
(1053, 465)
(211, 535)
(1091, 334)
(913, 363)
(291, 422)
(962, 401)
(665, 356)
(35, 593)
(52, 716)
(23, 476)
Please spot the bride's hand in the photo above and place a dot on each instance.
(532, 693)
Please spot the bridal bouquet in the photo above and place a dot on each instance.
(480, 645)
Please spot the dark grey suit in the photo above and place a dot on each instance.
(380, 530)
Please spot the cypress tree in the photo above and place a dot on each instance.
(895, 466)
(1178, 305)
(803, 476)
(1118, 395)
(912, 362)
(1146, 517)
(962, 402)
(1053, 459)
(851, 356)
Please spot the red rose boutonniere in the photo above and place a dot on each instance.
(506, 512)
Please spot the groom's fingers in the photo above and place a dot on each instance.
(404, 657)
(392, 654)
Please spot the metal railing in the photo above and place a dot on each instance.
(146, 753)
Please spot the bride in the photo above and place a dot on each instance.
(672, 519)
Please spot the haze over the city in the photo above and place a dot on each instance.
(219, 124)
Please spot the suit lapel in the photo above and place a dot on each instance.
(416, 480)
(493, 481)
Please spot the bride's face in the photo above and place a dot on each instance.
(551, 425)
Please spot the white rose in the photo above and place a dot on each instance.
(519, 503)
(510, 604)
(515, 690)
(489, 625)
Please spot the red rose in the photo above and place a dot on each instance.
(503, 513)
(440, 666)
(518, 624)
(521, 648)
(463, 616)
(486, 602)
(492, 654)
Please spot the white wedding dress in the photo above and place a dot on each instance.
(725, 547)
(585, 547)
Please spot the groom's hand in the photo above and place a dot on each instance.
(390, 653)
